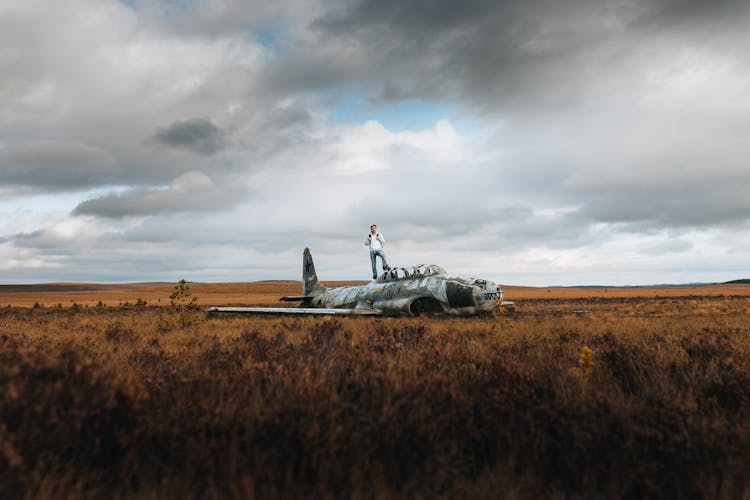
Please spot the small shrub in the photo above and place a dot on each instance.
(115, 332)
(185, 302)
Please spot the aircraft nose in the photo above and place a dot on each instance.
(492, 292)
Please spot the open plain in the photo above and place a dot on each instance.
(111, 391)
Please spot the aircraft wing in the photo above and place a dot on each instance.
(295, 311)
(296, 298)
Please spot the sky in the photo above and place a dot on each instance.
(560, 142)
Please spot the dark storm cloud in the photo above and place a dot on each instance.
(198, 135)
(516, 56)
(485, 52)
(55, 166)
(694, 13)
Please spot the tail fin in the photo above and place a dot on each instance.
(310, 285)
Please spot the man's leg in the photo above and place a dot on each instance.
(382, 257)
(372, 261)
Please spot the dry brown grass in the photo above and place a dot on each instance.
(268, 293)
(110, 402)
(525, 292)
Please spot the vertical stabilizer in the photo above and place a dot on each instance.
(310, 285)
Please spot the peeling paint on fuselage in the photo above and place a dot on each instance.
(396, 296)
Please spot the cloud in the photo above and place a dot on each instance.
(117, 82)
(696, 207)
(198, 135)
(587, 95)
(571, 136)
(191, 192)
(44, 242)
(22, 237)
(506, 56)
(56, 165)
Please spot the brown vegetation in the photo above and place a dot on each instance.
(268, 292)
(572, 397)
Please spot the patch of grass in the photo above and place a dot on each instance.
(634, 397)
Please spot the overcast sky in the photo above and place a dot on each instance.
(536, 142)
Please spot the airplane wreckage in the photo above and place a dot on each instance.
(423, 289)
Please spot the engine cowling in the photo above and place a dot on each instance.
(409, 306)
(395, 306)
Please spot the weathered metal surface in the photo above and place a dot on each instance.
(423, 289)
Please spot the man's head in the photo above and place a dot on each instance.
(373, 229)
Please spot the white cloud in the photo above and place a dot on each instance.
(193, 191)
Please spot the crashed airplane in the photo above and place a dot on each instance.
(423, 289)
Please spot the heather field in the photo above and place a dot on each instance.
(268, 293)
(578, 393)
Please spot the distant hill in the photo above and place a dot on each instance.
(655, 285)
(745, 281)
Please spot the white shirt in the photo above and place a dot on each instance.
(374, 243)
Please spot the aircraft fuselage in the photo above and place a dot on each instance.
(409, 296)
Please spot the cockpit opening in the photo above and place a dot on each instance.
(420, 271)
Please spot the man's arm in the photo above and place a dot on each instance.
(367, 241)
(381, 238)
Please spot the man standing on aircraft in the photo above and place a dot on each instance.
(375, 241)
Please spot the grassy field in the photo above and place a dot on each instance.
(268, 293)
(578, 393)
